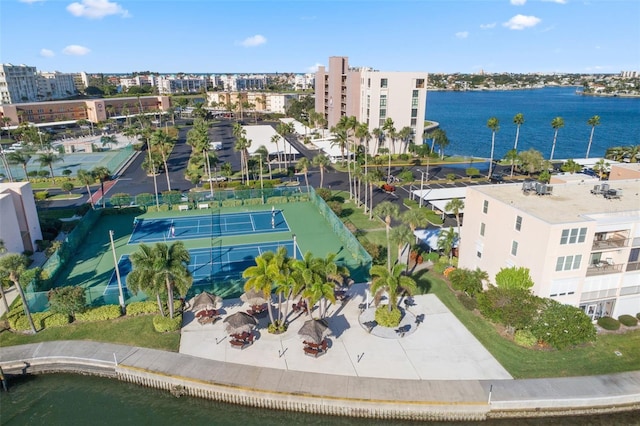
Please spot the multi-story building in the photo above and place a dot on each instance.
(235, 83)
(304, 81)
(55, 85)
(260, 101)
(19, 224)
(18, 84)
(581, 243)
(168, 85)
(371, 96)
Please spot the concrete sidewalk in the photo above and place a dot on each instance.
(439, 348)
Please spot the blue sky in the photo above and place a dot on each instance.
(214, 36)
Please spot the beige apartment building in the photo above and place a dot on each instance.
(581, 242)
(19, 224)
(372, 96)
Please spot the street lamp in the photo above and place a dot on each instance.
(115, 262)
(421, 185)
(295, 244)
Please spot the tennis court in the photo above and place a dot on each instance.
(213, 225)
(209, 265)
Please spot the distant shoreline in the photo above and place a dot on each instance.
(511, 89)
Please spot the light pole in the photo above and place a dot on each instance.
(115, 262)
(421, 185)
(295, 245)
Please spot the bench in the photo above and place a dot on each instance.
(203, 206)
(183, 207)
(240, 344)
(312, 351)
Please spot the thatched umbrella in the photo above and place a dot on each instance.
(253, 297)
(206, 301)
(240, 322)
(314, 330)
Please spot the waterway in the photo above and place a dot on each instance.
(464, 115)
(68, 399)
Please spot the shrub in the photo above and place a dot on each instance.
(433, 256)
(562, 325)
(468, 302)
(410, 203)
(472, 171)
(101, 313)
(253, 201)
(324, 193)
(69, 300)
(513, 307)
(165, 324)
(18, 320)
(525, 338)
(231, 203)
(41, 195)
(373, 249)
(276, 327)
(608, 323)
(451, 176)
(142, 308)
(336, 207)
(388, 319)
(628, 320)
(466, 280)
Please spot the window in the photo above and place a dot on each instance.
(518, 223)
(514, 248)
(383, 100)
(568, 263)
(414, 113)
(368, 82)
(414, 94)
(420, 83)
(414, 103)
(573, 235)
(482, 227)
(479, 254)
(383, 113)
(485, 206)
(383, 82)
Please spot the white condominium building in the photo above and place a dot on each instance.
(18, 84)
(580, 242)
(372, 96)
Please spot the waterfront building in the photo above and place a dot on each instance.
(235, 82)
(19, 224)
(17, 84)
(371, 96)
(55, 85)
(580, 241)
(172, 84)
(264, 102)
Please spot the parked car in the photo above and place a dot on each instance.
(496, 178)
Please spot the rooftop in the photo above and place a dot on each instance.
(569, 202)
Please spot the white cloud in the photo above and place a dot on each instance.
(76, 50)
(487, 26)
(253, 41)
(520, 22)
(314, 68)
(557, 1)
(31, 1)
(462, 34)
(47, 53)
(96, 9)
(518, 2)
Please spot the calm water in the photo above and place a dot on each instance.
(464, 115)
(66, 399)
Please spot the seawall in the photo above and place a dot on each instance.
(443, 400)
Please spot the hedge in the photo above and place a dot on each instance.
(277, 200)
(18, 320)
(388, 319)
(101, 313)
(231, 203)
(142, 308)
(166, 324)
(253, 201)
(628, 320)
(609, 323)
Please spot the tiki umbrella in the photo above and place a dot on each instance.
(314, 330)
(206, 301)
(253, 297)
(240, 322)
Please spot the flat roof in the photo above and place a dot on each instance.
(261, 135)
(429, 194)
(569, 202)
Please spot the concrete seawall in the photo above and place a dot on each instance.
(440, 400)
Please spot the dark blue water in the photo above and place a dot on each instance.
(464, 115)
(67, 400)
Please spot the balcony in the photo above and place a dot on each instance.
(603, 269)
(633, 266)
(610, 243)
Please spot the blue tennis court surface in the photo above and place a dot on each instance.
(216, 264)
(215, 225)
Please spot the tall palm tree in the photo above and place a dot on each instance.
(446, 241)
(414, 218)
(455, 206)
(402, 236)
(378, 133)
(13, 266)
(48, 159)
(163, 142)
(142, 276)
(371, 178)
(362, 133)
(263, 153)
(556, 123)
(494, 125)
(284, 130)
(284, 282)
(261, 278)
(242, 145)
(593, 122)
(275, 139)
(322, 161)
(303, 165)
(387, 210)
(405, 135)
(101, 173)
(518, 120)
(21, 158)
(170, 265)
(392, 283)
(442, 140)
(87, 178)
(198, 138)
(144, 133)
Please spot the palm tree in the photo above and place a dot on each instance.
(163, 142)
(263, 153)
(21, 158)
(494, 125)
(602, 167)
(241, 146)
(387, 210)
(284, 130)
(402, 236)
(556, 123)
(87, 178)
(6, 121)
(48, 160)
(593, 122)
(284, 282)
(261, 278)
(518, 120)
(322, 161)
(371, 178)
(511, 156)
(144, 133)
(101, 173)
(414, 218)
(378, 133)
(13, 266)
(170, 265)
(198, 138)
(142, 276)
(455, 206)
(303, 165)
(275, 139)
(392, 283)
(446, 241)
(405, 136)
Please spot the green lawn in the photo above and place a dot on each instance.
(591, 359)
(133, 331)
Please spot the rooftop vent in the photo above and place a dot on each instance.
(538, 187)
